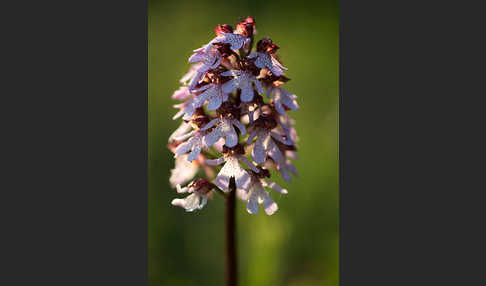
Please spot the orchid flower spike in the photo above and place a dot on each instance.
(230, 129)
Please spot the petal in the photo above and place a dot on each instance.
(215, 162)
(211, 138)
(252, 55)
(182, 149)
(182, 137)
(215, 101)
(275, 187)
(250, 138)
(246, 94)
(242, 179)
(222, 180)
(279, 138)
(258, 152)
(249, 164)
(192, 202)
(203, 88)
(181, 190)
(276, 63)
(278, 106)
(203, 202)
(210, 124)
(183, 128)
(226, 130)
(252, 205)
(275, 153)
(240, 126)
(194, 154)
(269, 205)
(229, 87)
(182, 93)
(178, 202)
(183, 171)
(216, 64)
(259, 87)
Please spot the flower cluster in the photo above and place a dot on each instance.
(229, 130)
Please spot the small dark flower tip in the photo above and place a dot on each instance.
(200, 121)
(266, 45)
(264, 173)
(227, 109)
(237, 149)
(246, 27)
(249, 65)
(266, 121)
(201, 185)
(223, 49)
(215, 76)
(226, 28)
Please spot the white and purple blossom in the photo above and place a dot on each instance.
(199, 190)
(183, 171)
(285, 167)
(282, 99)
(242, 80)
(181, 130)
(213, 94)
(208, 59)
(195, 144)
(264, 60)
(232, 168)
(265, 144)
(186, 109)
(258, 195)
(285, 123)
(182, 93)
(191, 74)
(236, 41)
(224, 129)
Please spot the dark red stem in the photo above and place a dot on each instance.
(230, 235)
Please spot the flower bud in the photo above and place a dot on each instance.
(246, 27)
(223, 29)
(266, 45)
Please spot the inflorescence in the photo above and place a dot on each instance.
(223, 102)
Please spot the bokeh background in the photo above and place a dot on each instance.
(298, 245)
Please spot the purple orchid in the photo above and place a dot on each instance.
(264, 60)
(199, 190)
(282, 98)
(265, 145)
(182, 93)
(181, 130)
(186, 108)
(189, 76)
(232, 168)
(209, 59)
(285, 123)
(224, 129)
(285, 167)
(236, 41)
(258, 195)
(242, 80)
(195, 144)
(212, 93)
(183, 171)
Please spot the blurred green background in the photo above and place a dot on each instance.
(298, 245)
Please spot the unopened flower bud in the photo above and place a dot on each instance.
(266, 45)
(226, 28)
